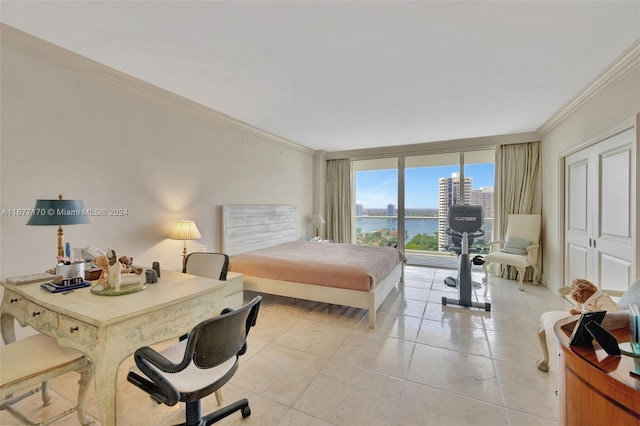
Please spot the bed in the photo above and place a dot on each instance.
(262, 242)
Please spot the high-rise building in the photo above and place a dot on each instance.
(484, 197)
(391, 210)
(450, 194)
(359, 210)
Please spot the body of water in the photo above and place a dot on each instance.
(413, 226)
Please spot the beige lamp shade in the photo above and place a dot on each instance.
(185, 230)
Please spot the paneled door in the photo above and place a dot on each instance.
(600, 212)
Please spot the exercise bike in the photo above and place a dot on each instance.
(465, 222)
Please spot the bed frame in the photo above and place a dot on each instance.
(252, 227)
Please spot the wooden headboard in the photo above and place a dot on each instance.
(247, 227)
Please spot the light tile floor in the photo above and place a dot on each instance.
(424, 364)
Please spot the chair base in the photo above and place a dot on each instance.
(194, 418)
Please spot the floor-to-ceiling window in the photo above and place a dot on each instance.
(376, 220)
(410, 196)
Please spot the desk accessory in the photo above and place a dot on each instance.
(31, 278)
(151, 276)
(70, 270)
(124, 289)
(58, 212)
(581, 335)
(604, 338)
(634, 327)
(156, 267)
(58, 288)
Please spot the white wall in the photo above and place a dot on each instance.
(616, 103)
(73, 127)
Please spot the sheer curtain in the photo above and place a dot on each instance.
(517, 189)
(339, 200)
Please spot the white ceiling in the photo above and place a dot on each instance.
(347, 75)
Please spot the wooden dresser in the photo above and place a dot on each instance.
(596, 389)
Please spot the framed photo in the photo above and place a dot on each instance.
(581, 335)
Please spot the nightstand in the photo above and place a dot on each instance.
(234, 290)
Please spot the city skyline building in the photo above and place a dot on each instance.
(449, 193)
(484, 198)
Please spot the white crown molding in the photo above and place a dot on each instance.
(439, 147)
(626, 62)
(24, 43)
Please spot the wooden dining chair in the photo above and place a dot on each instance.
(27, 364)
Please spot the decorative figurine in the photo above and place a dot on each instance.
(115, 270)
(116, 273)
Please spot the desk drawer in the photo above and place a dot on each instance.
(16, 306)
(77, 331)
(42, 319)
(29, 313)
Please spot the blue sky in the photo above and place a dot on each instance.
(377, 188)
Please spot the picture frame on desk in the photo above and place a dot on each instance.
(580, 334)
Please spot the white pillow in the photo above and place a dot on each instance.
(515, 245)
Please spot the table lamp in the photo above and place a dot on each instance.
(185, 230)
(58, 212)
(317, 220)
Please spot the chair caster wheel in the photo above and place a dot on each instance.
(444, 301)
(246, 412)
(487, 307)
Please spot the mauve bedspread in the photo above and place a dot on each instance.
(334, 265)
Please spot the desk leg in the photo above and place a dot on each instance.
(105, 377)
(7, 325)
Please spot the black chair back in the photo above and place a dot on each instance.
(218, 339)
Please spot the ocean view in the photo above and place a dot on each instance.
(413, 226)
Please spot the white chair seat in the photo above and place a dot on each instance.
(507, 259)
(191, 378)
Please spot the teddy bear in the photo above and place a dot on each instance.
(589, 297)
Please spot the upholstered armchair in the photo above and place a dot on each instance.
(519, 248)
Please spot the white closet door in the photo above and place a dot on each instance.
(578, 216)
(600, 211)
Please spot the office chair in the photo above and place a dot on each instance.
(199, 365)
(208, 265)
(205, 264)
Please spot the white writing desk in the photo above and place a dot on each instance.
(108, 329)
